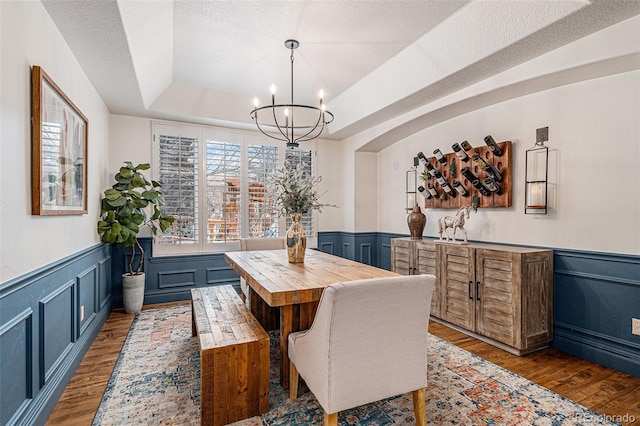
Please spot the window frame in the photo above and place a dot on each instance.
(222, 134)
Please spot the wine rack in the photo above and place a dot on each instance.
(501, 163)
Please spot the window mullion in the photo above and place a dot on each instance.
(244, 189)
(202, 192)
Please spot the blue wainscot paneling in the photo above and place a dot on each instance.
(44, 336)
(595, 294)
(361, 247)
(595, 297)
(171, 278)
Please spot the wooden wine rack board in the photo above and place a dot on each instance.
(502, 163)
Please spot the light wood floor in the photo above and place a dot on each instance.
(603, 390)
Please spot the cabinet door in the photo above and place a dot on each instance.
(456, 281)
(426, 263)
(498, 295)
(401, 254)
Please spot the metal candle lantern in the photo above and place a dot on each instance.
(536, 174)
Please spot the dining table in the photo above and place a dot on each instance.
(285, 295)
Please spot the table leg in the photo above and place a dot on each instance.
(265, 314)
(286, 325)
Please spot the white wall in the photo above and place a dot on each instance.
(594, 127)
(28, 242)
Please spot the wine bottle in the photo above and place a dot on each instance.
(492, 185)
(467, 147)
(443, 183)
(440, 156)
(468, 174)
(493, 172)
(422, 158)
(479, 161)
(461, 189)
(493, 146)
(462, 155)
(430, 169)
(480, 187)
(432, 190)
(426, 194)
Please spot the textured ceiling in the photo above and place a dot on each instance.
(204, 61)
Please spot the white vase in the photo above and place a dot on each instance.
(133, 292)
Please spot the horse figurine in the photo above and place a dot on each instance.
(456, 223)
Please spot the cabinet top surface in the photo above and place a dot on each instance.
(484, 246)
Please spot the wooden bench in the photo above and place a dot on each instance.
(234, 357)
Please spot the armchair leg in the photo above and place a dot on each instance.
(420, 406)
(330, 419)
(293, 381)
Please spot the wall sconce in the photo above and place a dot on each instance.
(536, 174)
(411, 186)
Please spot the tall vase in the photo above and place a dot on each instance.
(296, 240)
(416, 221)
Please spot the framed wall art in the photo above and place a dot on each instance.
(59, 150)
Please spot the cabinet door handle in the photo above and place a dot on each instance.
(470, 295)
(477, 290)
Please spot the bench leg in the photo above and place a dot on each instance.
(194, 332)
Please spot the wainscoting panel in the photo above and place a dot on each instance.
(383, 244)
(42, 339)
(178, 278)
(87, 289)
(56, 329)
(16, 337)
(104, 282)
(595, 297)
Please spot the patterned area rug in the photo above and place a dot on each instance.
(156, 381)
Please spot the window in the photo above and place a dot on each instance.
(215, 183)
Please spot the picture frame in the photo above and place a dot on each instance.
(59, 138)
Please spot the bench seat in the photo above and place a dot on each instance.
(234, 356)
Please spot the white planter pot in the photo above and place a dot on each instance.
(133, 292)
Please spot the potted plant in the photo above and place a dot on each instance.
(295, 194)
(123, 215)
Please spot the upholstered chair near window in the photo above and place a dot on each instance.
(368, 342)
(265, 243)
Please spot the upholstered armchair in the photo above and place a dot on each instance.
(368, 342)
(265, 243)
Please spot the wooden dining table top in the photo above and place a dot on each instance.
(281, 283)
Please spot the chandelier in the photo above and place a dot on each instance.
(301, 122)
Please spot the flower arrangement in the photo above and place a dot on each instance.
(294, 191)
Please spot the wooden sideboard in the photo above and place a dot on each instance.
(501, 294)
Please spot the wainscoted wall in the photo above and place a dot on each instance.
(171, 278)
(43, 335)
(595, 297)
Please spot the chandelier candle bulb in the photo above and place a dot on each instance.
(493, 146)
